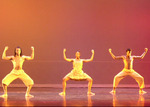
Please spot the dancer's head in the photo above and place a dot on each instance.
(129, 51)
(77, 55)
(18, 51)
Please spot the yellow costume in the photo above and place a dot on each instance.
(14, 74)
(139, 79)
(77, 72)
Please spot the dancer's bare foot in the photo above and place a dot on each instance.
(90, 93)
(62, 93)
(113, 91)
(142, 92)
(4, 95)
(29, 95)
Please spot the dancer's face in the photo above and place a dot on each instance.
(77, 55)
(129, 53)
(18, 51)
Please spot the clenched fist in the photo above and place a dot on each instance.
(32, 48)
(146, 49)
(110, 49)
(92, 51)
(6, 47)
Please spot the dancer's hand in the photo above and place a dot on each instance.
(64, 50)
(92, 51)
(146, 49)
(32, 48)
(6, 48)
(110, 49)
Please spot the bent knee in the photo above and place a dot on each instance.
(141, 78)
(31, 83)
(65, 78)
(90, 79)
(5, 83)
(117, 77)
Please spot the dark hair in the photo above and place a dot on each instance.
(129, 50)
(15, 51)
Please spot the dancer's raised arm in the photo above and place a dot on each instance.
(88, 60)
(142, 56)
(67, 59)
(113, 56)
(4, 54)
(30, 57)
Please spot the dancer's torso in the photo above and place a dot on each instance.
(17, 63)
(128, 62)
(77, 64)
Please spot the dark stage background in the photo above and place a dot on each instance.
(77, 25)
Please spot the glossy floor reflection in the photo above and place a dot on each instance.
(76, 97)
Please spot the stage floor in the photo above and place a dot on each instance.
(76, 97)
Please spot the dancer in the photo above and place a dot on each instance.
(17, 71)
(128, 69)
(77, 72)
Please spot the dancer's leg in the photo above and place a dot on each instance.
(117, 79)
(90, 80)
(6, 81)
(140, 80)
(5, 91)
(28, 82)
(65, 79)
(28, 91)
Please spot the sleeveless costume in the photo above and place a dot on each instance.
(77, 73)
